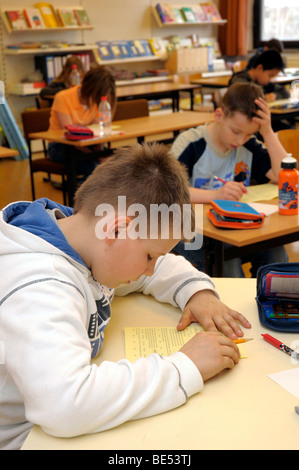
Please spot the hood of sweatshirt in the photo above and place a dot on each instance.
(35, 219)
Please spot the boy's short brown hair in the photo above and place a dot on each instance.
(145, 174)
(240, 97)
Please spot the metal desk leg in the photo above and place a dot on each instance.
(218, 259)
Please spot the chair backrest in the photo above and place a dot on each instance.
(35, 121)
(289, 138)
(130, 109)
(239, 65)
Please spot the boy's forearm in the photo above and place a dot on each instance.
(201, 196)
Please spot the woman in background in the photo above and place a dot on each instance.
(79, 105)
(63, 80)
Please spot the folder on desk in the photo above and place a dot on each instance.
(234, 215)
(278, 296)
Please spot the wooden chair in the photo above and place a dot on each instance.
(37, 121)
(289, 139)
(130, 109)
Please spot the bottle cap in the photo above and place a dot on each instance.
(103, 98)
(289, 162)
(74, 66)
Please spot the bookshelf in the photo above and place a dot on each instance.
(50, 50)
(31, 20)
(167, 15)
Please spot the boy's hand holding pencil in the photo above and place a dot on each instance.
(231, 190)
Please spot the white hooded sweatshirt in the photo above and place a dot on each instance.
(52, 320)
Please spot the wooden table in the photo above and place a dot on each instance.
(129, 128)
(277, 230)
(8, 152)
(157, 90)
(241, 409)
(223, 81)
(283, 112)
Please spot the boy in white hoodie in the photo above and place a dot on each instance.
(59, 270)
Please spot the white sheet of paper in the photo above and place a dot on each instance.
(266, 209)
(288, 379)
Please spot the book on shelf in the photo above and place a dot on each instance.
(117, 51)
(34, 18)
(158, 47)
(27, 88)
(16, 20)
(48, 14)
(133, 49)
(165, 13)
(178, 15)
(188, 15)
(211, 12)
(82, 17)
(45, 64)
(199, 13)
(143, 47)
(67, 17)
(105, 50)
(120, 49)
(24, 45)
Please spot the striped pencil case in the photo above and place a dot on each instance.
(278, 296)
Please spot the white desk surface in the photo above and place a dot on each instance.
(239, 409)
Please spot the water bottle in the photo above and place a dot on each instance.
(75, 76)
(288, 182)
(104, 116)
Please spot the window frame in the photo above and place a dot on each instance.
(257, 30)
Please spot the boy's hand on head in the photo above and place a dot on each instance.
(232, 191)
(213, 315)
(264, 117)
(211, 352)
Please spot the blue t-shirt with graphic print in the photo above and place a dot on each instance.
(195, 149)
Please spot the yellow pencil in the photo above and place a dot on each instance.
(242, 340)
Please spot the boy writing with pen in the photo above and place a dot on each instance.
(223, 157)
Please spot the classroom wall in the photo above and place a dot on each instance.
(112, 19)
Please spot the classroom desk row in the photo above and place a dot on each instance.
(277, 230)
(138, 128)
(6, 152)
(222, 81)
(240, 409)
(151, 91)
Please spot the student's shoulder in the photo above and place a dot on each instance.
(67, 96)
(240, 77)
(191, 137)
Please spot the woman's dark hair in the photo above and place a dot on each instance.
(97, 82)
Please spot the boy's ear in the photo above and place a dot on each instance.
(117, 228)
(218, 114)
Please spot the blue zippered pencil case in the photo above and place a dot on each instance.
(278, 296)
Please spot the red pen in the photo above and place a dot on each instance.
(219, 179)
(279, 345)
(224, 182)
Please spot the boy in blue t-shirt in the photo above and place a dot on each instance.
(228, 149)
